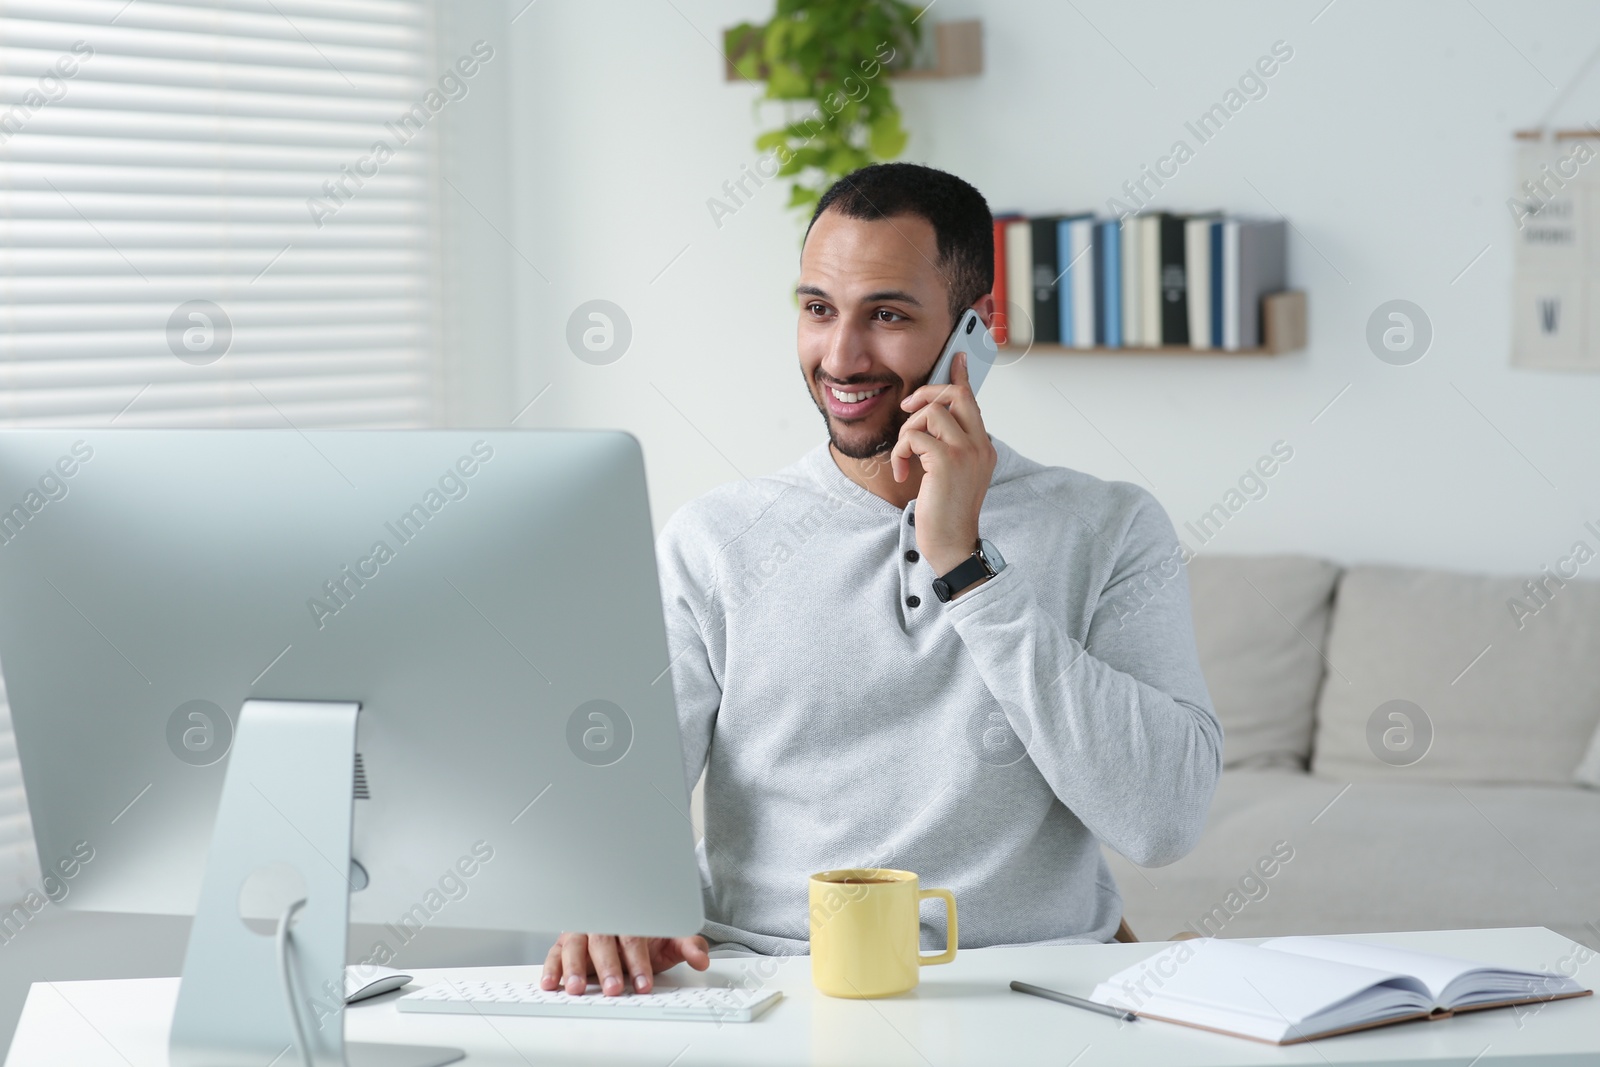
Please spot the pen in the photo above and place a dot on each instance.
(1076, 1002)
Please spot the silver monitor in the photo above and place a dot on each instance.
(445, 648)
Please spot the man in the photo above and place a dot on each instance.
(988, 734)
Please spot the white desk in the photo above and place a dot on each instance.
(962, 1014)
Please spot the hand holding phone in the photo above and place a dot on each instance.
(972, 337)
(944, 435)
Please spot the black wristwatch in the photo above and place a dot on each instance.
(985, 562)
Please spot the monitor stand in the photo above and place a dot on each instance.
(287, 807)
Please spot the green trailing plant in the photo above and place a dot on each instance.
(826, 63)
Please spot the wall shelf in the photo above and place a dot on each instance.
(957, 52)
(1283, 328)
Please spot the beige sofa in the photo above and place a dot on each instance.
(1406, 749)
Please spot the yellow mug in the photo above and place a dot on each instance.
(864, 931)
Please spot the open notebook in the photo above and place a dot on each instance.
(1293, 989)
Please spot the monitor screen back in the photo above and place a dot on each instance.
(490, 598)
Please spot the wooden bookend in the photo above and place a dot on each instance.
(1283, 322)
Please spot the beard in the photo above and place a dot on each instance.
(853, 439)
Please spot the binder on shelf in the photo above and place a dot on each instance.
(1150, 279)
(1197, 273)
(1174, 288)
(1077, 281)
(1109, 248)
(1001, 311)
(1042, 275)
(1131, 312)
(1019, 271)
(1259, 266)
(1216, 283)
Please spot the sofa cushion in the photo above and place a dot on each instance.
(1497, 686)
(1588, 772)
(1287, 853)
(1259, 624)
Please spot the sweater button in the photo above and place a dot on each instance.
(911, 555)
(913, 601)
(911, 518)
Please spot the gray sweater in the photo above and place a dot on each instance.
(844, 717)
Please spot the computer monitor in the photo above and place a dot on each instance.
(460, 630)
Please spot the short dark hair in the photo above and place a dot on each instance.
(960, 217)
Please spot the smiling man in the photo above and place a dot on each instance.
(914, 647)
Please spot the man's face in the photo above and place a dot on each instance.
(874, 316)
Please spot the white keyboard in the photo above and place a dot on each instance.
(697, 1003)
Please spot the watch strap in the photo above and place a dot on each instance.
(965, 573)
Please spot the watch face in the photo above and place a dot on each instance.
(992, 554)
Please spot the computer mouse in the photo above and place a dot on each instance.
(363, 980)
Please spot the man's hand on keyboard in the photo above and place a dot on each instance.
(618, 962)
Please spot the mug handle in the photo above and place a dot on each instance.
(950, 938)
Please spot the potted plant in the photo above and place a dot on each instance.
(826, 64)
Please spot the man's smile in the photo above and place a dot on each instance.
(851, 404)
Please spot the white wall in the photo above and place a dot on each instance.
(1385, 140)
(478, 291)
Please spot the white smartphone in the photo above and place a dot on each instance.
(972, 337)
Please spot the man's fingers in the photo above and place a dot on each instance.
(933, 423)
(932, 394)
(671, 951)
(607, 963)
(900, 458)
(695, 952)
(919, 442)
(550, 980)
(947, 427)
(620, 963)
(636, 954)
(960, 402)
(917, 421)
(912, 443)
(965, 405)
(956, 399)
(575, 963)
(938, 421)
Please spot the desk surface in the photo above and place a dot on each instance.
(962, 1013)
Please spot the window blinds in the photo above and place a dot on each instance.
(181, 239)
(17, 866)
(196, 228)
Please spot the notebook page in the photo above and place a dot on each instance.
(1451, 980)
(1226, 985)
(1435, 971)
